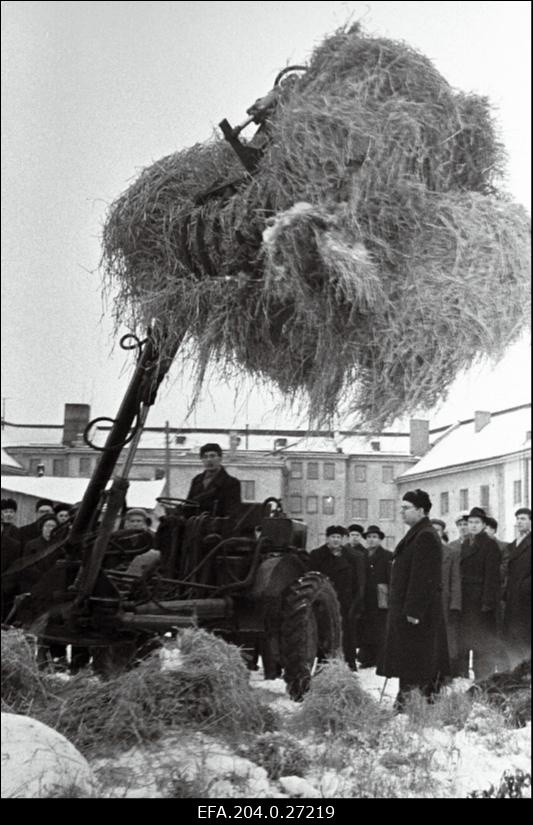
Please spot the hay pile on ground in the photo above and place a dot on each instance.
(23, 684)
(368, 260)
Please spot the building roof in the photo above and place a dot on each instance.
(71, 490)
(17, 435)
(9, 461)
(506, 433)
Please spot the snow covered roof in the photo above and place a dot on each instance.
(505, 433)
(71, 490)
(9, 461)
(17, 436)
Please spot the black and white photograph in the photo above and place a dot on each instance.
(266, 403)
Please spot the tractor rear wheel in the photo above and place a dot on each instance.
(311, 627)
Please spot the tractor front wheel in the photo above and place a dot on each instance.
(311, 628)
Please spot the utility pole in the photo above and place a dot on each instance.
(167, 457)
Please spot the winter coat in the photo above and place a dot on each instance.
(341, 571)
(480, 582)
(29, 532)
(372, 624)
(451, 577)
(358, 553)
(11, 545)
(221, 497)
(517, 612)
(416, 653)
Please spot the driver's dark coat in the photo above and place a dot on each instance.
(340, 570)
(416, 653)
(221, 497)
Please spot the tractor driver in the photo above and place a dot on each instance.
(214, 490)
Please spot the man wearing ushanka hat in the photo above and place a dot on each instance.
(415, 648)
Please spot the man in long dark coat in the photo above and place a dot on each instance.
(480, 583)
(214, 490)
(337, 563)
(373, 622)
(11, 550)
(415, 643)
(357, 548)
(517, 595)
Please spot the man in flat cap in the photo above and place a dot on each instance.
(415, 648)
(480, 585)
(373, 622)
(517, 596)
(336, 562)
(214, 490)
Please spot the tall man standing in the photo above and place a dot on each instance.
(415, 642)
(373, 622)
(480, 583)
(517, 612)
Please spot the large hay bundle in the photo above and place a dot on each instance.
(370, 257)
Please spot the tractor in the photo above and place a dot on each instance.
(245, 578)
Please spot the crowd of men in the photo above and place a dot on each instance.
(433, 609)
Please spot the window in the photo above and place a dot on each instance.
(248, 490)
(484, 495)
(328, 505)
(85, 466)
(296, 469)
(386, 509)
(463, 500)
(444, 503)
(360, 508)
(312, 469)
(360, 472)
(295, 504)
(34, 466)
(312, 504)
(517, 492)
(329, 470)
(387, 473)
(58, 467)
(159, 473)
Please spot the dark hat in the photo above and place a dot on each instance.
(419, 498)
(211, 448)
(374, 529)
(336, 528)
(462, 517)
(60, 507)
(478, 512)
(523, 511)
(42, 501)
(356, 528)
(439, 522)
(47, 517)
(491, 522)
(9, 504)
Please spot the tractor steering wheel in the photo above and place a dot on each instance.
(166, 501)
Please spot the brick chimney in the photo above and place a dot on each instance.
(481, 419)
(418, 436)
(75, 419)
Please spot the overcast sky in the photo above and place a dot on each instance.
(94, 91)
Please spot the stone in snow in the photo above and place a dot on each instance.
(38, 762)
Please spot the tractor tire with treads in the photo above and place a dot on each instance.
(311, 627)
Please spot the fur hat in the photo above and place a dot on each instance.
(419, 498)
(375, 530)
(356, 528)
(337, 529)
(491, 522)
(210, 448)
(439, 522)
(41, 502)
(9, 504)
(60, 507)
(523, 511)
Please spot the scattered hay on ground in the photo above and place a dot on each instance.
(336, 703)
(373, 229)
